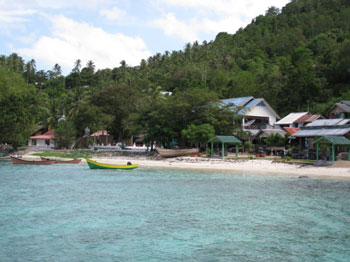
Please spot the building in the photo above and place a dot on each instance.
(257, 113)
(325, 127)
(102, 138)
(294, 121)
(44, 141)
(322, 127)
(340, 110)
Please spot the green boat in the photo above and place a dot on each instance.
(95, 165)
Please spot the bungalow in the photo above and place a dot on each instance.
(102, 138)
(325, 127)
(340, 110)
(321, 127)
(257, 113)
(294, 121)
(46, 140)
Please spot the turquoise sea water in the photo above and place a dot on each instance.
(72, 213)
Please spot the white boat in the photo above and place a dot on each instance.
(176, 152)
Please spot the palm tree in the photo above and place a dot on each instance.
(15, 63)
(77, 66)
(56, 71)
(76, 97)
(91, 66)
(30, 71)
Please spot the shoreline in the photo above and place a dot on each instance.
(339, 170)
(263, 167)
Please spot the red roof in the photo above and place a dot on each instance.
(308, 118)
(100, 133)
(291, 130)
(48, 135)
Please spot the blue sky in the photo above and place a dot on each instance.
(108, 31)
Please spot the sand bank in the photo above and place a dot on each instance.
(338, 170)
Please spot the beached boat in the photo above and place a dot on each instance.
(96, 165)
(16, 160)
(74, 161)
(176, 152)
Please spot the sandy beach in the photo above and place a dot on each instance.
(341, 169)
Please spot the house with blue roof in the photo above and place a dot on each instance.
(257, 113)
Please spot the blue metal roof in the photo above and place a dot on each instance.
(238, 101)
(251, 104)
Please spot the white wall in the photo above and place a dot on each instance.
(41, 143)
(263, 111)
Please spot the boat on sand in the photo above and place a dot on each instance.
(96, 165)
(73, 161)
(176, 152)
(16, 160)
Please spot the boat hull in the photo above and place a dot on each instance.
(74, 161)
(175, 152)
(16, 161)
(95, 165)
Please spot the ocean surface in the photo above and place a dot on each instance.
(72, 213)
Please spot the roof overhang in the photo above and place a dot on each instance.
(321, 132)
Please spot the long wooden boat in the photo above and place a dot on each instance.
(176, 152)
(16, 160)
(96, 165)
(74, 161)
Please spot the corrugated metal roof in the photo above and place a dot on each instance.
(291, 118)
(335, 140)
(329, 122)
(101, 133)
(291, 130)
(344, 105)
(48, 135)
(226, 139)
(321, 132)
(253, 132)
(237, 101)
(249, 105)
(268, 132)
(308, 118)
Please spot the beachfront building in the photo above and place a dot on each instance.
(39, 130)
(43, 141)
(321, 127)
(257, 113)
(340, 110)
(294, 121)
(102, 138)
(325, 127)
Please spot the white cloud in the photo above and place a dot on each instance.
(71, 40)
(114, 14)
(173, 27)
(53, 4)
(248, 7)
(15, 16)
(210, 16)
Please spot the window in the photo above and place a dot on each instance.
(33, 142)
(47, 142)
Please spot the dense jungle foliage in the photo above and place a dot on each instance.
(297, 58)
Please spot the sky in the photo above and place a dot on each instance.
(109, 31)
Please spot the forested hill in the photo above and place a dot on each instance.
(297, 58)
(288, 57)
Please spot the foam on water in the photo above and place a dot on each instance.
(72, 213)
